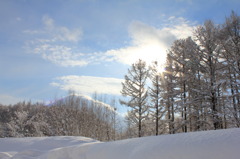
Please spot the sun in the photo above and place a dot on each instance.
(161, 68)
(149, 52)
(152, 53)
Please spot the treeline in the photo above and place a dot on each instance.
(199, 89)
(71, 116)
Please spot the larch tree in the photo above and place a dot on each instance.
(210, 50)
(134, 87)
(178, 53)
(184, 54)
(169, 93)
(230, 41)
(155, 94)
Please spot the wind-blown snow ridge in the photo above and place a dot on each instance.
(219, 144)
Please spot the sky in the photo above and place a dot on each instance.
(48, 47)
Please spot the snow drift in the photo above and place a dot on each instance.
(220, 144)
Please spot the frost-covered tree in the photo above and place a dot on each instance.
(179, 55)
(186, 69)
(230, 42)
(157, 108)
(72, 116)
(200, 87)
(170, 93)
(134, 87)
(210, 51)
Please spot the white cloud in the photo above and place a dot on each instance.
(60, 55)
(54, 33)
(60, 33)
(54, 44)
(147, 43)
(150, 43)
(88, 84)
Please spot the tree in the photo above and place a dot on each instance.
(230, 40)
(186, 69)
(179, 55)
(155, 93)
(134, 88)
(170, 93)
(209, 49)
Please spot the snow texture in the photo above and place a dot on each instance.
(219, 144)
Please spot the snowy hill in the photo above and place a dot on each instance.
(78, 100)
(220, 144)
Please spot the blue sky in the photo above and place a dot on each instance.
(50, 46)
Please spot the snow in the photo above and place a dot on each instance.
(23, 148)
(219, 144)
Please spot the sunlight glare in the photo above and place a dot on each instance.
(151, 53)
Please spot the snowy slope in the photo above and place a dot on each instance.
(220, 144)
(24, 148)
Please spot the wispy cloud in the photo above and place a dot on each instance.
(88, 84)
(60, 55)
(52, 43)
(54, 33)
(60, 33)
(59, 44)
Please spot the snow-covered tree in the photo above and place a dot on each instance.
(230, 42)
(169, 93)
(134, 87)
(207, 37)
(155, 93)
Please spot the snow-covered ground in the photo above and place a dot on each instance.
(220, 144)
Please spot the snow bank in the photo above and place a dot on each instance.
(220, 144)
(24, 148)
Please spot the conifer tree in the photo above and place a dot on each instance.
(155, 93)
(134, 87)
